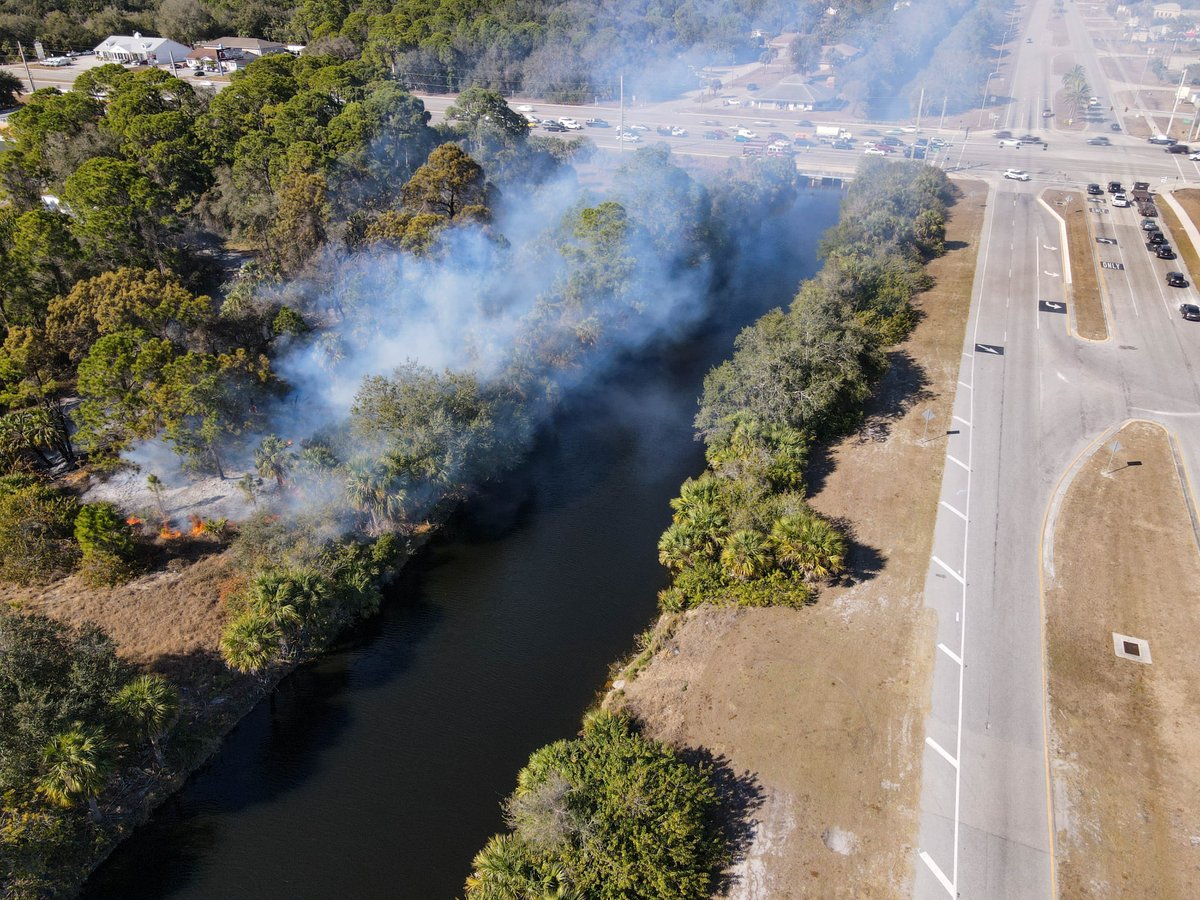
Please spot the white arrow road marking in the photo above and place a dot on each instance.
(1051, 274)
(1048, 247)
(1050, 305)
(986, 349)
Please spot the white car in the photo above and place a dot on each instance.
(746, 133)
(1120, 200)
(568, 122)
(678, 131)
(1194, 157)
(628, 136)
(524, 107)
(1016, 174)
(909, 129)
(875, 151)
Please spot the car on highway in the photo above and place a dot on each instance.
(1164, 252)
(1047, 113)
(1100, 142)
(1095, 190)
(554, 126)
(568, 122)
(1120, 201)
(1002, 135)
(1149, 225)
(875, 151)
(1160, 139)
(595, 123)
(1114, 187)
(628, 136)
(1190, 311)
(1016, 174)
(1194, 156)
(678, 131)
(714, 135)
(1029, 139)
(1176, 279)
(837, 145)
(1156, 238)
(938, 142)
(746, 134)
(524, 107)
(638, 126)
(1007, 142)
(1115, 126)
(664, 130)
(1178, 148)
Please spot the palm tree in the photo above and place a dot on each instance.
(809, 544)
(505, 869)
(75, 764)
(250, 643)
(274, 459)
(746, 555)
(1076, 89)
(369, 490)
(151, 703)
(679, 546)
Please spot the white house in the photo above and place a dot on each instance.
(794, 92)
(1167, 11)
(155, 51)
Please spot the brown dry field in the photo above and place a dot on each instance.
(823, 708)
(1086, 304)
(1183, 243)
(169, 620)
(1124, 735)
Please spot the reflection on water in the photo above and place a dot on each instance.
(378, 771)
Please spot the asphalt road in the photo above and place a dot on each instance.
(1031, 397)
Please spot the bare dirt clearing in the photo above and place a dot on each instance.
(1124, 734)
(824, 706)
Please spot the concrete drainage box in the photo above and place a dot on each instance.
(1131, 648)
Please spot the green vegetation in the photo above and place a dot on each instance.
(610, 814)
(741, 532)
(73, 720)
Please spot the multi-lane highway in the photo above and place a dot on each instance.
(1031, 397)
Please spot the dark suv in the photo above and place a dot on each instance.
(1176, 279)
(1164, 252)
(1156, 237)
(1094, 189)
(1114, 187)
(1190, 311)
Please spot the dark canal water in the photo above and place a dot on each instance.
(379, 770)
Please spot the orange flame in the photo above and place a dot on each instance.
(167, 533)
(197, 525)
(132, 521)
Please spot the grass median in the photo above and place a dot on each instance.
(1124, 734)
(1085, 283)
(1189, 199)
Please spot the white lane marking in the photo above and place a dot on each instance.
(961, 419)
(938, 873)
(1052, 274)
(958, 462)
(950, 653)
(956, 576)
(958, 513)
(1061, 377)
(967, 386)
(941, 751)
(1163, 412)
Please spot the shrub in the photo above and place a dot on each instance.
(36, 522)
(610, 814)
(107, 543)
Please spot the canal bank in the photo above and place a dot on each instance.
(383, 764)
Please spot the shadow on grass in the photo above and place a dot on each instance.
(740, 798)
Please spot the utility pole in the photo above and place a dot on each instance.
(942, 123)
(28, 74)
(1175, 105)
(920, 106)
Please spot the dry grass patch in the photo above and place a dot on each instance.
(1125, 734)
(1189, 199)
(169, 621)
(824, 706)
(1086, 303)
